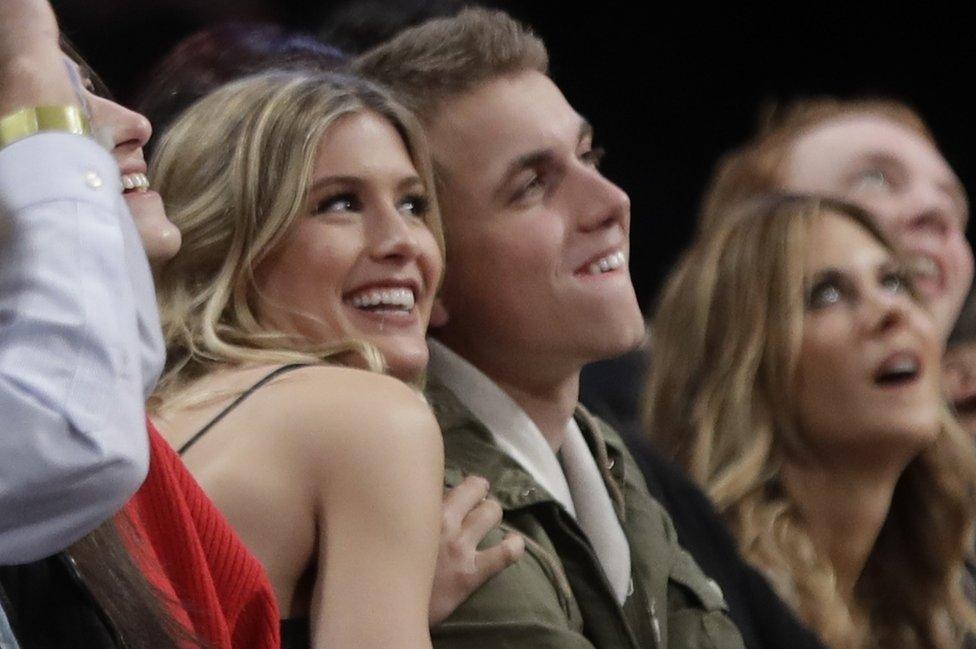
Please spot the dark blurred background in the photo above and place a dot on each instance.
(668, 87)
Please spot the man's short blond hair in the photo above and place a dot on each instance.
(446, 57)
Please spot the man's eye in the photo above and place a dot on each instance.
(873, 178)
(823, 295)
(894, 282)
(594, 156)
(530, 187)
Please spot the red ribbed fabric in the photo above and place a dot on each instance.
(190, 553)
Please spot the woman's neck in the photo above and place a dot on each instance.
(844, 508)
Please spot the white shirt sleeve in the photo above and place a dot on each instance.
(80, 345)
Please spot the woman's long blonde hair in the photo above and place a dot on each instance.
(727, 332)
(234, 172)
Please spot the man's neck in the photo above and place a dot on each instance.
(549, 406)
(549, 397)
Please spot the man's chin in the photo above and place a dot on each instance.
(617, 338)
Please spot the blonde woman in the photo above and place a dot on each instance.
(796, 378)
(311, 238)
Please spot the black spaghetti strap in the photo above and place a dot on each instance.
(236, 402)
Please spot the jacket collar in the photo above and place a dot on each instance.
(470, 449)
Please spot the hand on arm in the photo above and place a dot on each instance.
(467, 516)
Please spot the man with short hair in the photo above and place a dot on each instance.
(536, 287)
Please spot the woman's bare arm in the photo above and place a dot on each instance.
(379, 513)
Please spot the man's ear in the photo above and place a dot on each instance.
(438, 314)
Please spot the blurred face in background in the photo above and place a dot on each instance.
(897, 174)
(868, 373)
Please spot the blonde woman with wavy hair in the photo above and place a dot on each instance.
(796, 378)
(311, 240)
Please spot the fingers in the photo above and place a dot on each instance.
(32, 68)
(468, 516)
(481, 520)
(495, 559)
(460, 500)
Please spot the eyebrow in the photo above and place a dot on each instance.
(834, 272)
(538, 157)
(828, 273)
(405, 183)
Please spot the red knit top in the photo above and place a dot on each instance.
(190, 553)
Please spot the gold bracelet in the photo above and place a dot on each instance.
(28, 121)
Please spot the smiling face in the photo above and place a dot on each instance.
(868, 369)
(899, 176)
(127, 132)
(538, 240)
(361, 264)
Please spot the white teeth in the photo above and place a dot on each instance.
(136, 181)
(902, 365)
(612, 261)
(401, 299)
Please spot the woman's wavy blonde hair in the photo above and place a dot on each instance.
(727, 332)
(234, 172)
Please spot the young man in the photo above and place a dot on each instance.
(537, 286)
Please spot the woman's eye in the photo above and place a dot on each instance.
(823, 295)
(415, 205)
(88, 84)
(339, 203)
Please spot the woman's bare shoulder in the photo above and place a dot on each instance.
(335, 409)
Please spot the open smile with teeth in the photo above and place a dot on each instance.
(606, 264)
(394, 299)
(137, 182)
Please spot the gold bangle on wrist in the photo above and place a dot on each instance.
(28, 121)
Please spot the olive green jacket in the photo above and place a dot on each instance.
(556, 595)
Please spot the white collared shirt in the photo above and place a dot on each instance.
(572, 477)
(7, 638)
(80, 345)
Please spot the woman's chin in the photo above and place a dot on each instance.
(408, 365)
(161, 239)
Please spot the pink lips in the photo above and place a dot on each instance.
(899, 368)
